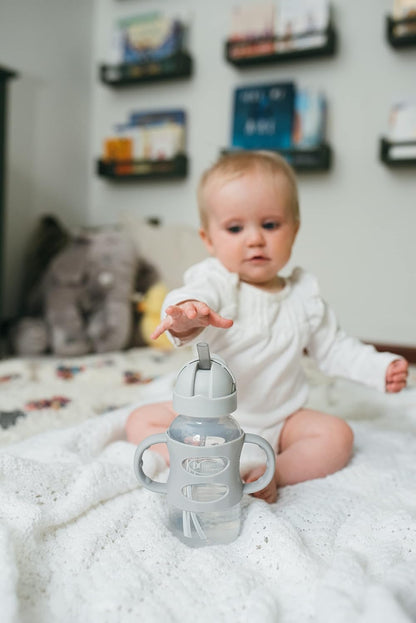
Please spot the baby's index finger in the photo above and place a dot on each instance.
(161, 328)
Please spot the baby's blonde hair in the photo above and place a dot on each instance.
(235, 164)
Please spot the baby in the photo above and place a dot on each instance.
(261, 323)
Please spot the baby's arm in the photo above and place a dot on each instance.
(186, 320)
(339, 354)
(396, 375)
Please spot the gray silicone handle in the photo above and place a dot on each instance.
(159, 487)
(263, 481)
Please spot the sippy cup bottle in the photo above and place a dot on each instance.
(204, 488)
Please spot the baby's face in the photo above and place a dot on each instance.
(251, 229)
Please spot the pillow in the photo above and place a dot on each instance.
(171, 248)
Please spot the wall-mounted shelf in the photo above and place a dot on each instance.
(398, 154)
(238, 52)
(179, 65)
(143, 170)
(407, 38)
(305, 159)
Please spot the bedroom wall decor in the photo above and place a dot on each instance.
(401, 33)
(148, 47)
(149, 145)
(284, 118)
(272, 33)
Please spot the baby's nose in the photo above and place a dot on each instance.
(255, 236)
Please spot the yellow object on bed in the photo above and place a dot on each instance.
(150, 306)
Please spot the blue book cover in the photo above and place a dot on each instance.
(156, 117)
(264, 116)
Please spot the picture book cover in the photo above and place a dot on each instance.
(158, 135)
(310, 118)
(155, 117)
(404, 9)
(249, 23)
(147, 37)
(301, 24)
(402, 130)
(402, 121)
(263, 116)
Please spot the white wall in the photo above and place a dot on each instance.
(49, 44)
(358, 220)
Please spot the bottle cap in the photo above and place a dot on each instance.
(205, 387)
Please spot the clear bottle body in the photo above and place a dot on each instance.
(205, 527)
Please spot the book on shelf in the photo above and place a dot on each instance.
(159, 135)
(263, 116)
(404, 9)
(252, 29)
(146, 38)
(148, 135)
(301, 24)
(402, 129)
(310, 118)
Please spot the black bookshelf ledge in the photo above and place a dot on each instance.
(398, 154)
(179, 65)
(404, 40)
(304, 160)
(243, 54)
(142, 170)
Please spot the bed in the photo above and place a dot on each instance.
(81, 541)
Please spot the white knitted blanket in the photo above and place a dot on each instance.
(81, 542)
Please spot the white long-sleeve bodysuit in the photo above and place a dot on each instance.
(265, 345)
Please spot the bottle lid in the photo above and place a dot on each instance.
(205, 387)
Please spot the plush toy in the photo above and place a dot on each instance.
(86, 295)
(150, 307)
(110, 271)
(62, 293)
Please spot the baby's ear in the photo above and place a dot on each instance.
(206, 240)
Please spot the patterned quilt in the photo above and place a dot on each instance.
(49, 392)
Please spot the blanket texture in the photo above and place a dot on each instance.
(81, 541)
(50, 392)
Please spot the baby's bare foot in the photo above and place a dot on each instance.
(269, 493)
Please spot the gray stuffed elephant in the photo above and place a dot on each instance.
(87, 296)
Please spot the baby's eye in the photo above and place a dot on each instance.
(271, 225)
(234, 229)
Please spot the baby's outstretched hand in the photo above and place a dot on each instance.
(187, 319)
(396, 375)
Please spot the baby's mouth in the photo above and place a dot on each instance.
(258, 258)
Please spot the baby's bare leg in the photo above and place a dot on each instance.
(311, 445)
(149, 420)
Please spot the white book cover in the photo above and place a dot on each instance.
(403, 9)
(164, 142)
(254, 20)
(402, 122)
(297, 17)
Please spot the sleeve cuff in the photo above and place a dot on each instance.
(377, 378)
